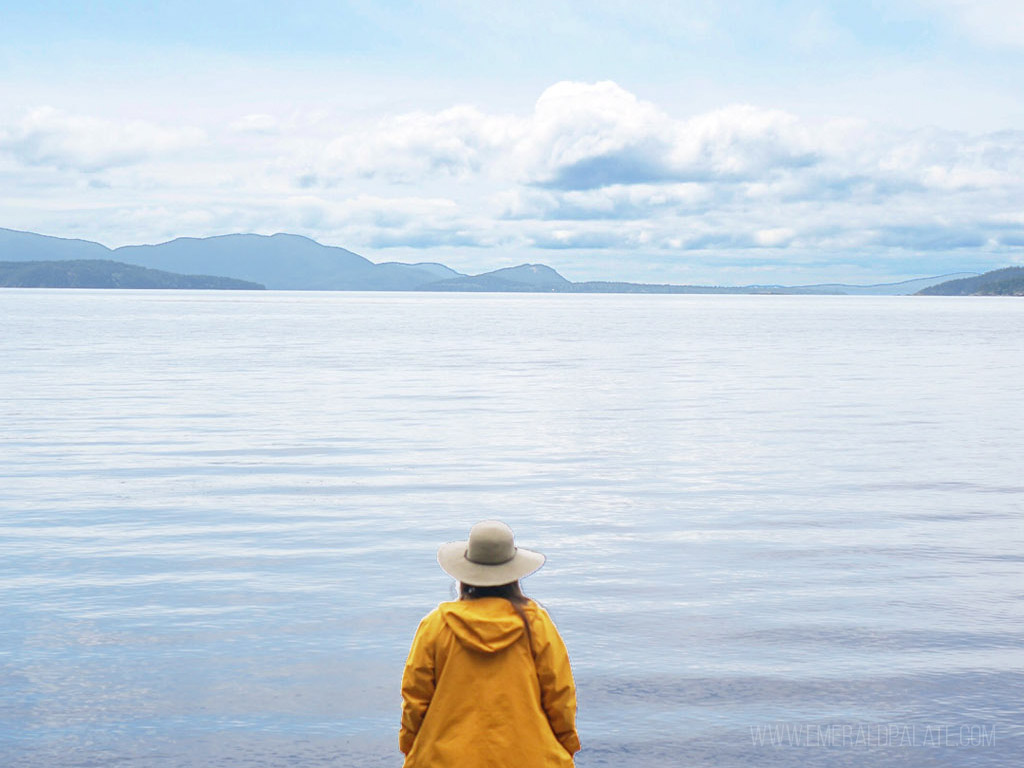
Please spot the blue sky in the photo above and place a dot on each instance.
(710, 142)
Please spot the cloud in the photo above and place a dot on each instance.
(391, 222)
(579, 136)
(930, 237)
(585, 238)
(774, 237)
(455, 142)
(256, 124)
(390, 212)
(586, 136)
(618, 202)
(49, 137)
(583, 136)
(430, 237)
(658, 236)
(743, 142)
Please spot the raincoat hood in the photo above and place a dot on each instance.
(487, 624)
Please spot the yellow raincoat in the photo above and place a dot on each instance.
(475, 696)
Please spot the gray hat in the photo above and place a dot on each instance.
(489, 558)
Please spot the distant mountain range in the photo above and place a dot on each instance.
(999, 282)
(293, 262)
(284, 262)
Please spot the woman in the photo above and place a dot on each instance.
(487, 681)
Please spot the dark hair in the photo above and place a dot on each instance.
(511, 592)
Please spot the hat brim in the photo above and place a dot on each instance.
(452, 559)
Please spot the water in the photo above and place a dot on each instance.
(220, 513)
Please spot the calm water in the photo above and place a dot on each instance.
(220, 513)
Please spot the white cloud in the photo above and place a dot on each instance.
(579, 136)
(775, 237)
(615, 202)
(49, 137)
(584, 135)
(456, 142)
(256, 123)
(742, 142)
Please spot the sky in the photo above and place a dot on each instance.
(703, 142)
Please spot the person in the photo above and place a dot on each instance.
(488, 681)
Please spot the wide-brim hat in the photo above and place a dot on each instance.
(490, 557)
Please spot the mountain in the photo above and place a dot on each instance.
(278, 261)
(530, 274)
(284, 262)
(28, 246)
(101, 273)
(999, 282)
(522, 279)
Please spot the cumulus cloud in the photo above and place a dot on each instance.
(587, 136)
(583, 136)
(456, 142)
(49, 137)
(744, 142)
(579, 136)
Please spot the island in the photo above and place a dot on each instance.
(998, 282)
(101, 273)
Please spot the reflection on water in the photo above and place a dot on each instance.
(221, 512)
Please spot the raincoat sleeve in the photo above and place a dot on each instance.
(557, 689)
(417, 684)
